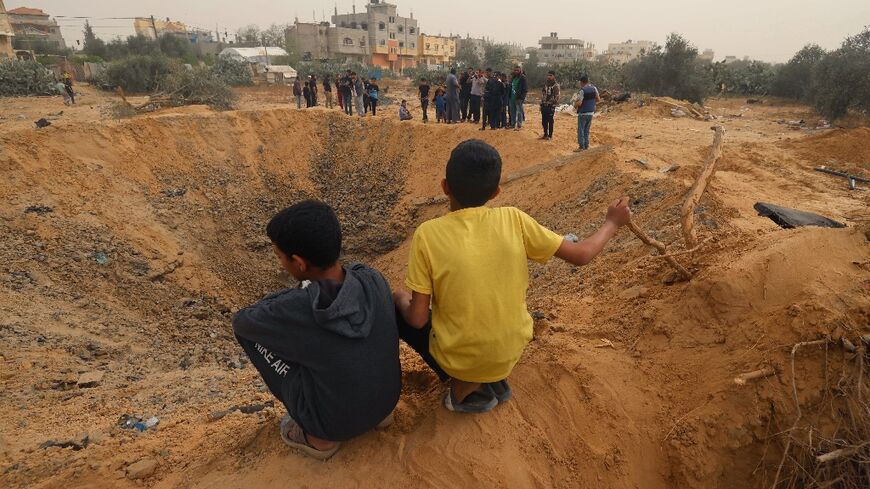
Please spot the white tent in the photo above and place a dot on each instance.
(285, 70)
(260, 55)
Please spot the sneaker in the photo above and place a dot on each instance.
(479, 401)
(578, 149)
(294, 436)
(501, 390)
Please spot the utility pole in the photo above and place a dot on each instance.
(156, 37)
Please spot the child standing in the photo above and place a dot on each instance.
(440, 104)
(306, 92)
(471, 266)
(374, 90)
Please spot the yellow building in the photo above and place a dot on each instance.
(6, 34)
(435, 50)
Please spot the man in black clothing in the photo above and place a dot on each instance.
(424, 98)
(492, 100)
(465, 94)
(328, 351)
(345, 87)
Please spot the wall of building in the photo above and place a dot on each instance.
(36, 27)
(6, 34)
(623, 52)
(310, 40)
(553, 50)
(435, 50)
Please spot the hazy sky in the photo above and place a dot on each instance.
(771, 30)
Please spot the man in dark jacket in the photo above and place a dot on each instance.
(492, 100)
(465, 84)
(345, 87)
(518, 90)
(328, 351)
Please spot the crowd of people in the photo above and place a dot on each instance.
(496, 100)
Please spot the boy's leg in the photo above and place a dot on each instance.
(418, 340)
(521, 114)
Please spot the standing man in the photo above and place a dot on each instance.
(519, 90)
(327, 89)
(424, 98)
(297, 92)
(492, 100)
(452, 97)
(584, 102)
(466, 85)
(549, 101)
(345, 88)
(68, 86)
(359, 89)
(478, 83)
(313, 84)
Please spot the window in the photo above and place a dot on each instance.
(353, 25)
(413, 45)
(401, 29)
(412, 30)
(427, 46)
(382, 42)
(343, 24)
(436, 47)
(401, 44)
(393, 50)
(364, 26)
(392, 20)
(362, 41)
(392, 35)
(348, 41)
(381, 26)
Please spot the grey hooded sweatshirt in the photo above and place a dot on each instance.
(344, 375)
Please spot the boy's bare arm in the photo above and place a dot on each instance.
(413, 306)
(618, 215)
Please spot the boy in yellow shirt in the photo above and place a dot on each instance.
(471, 266)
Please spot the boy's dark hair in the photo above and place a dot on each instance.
(309, 230)
(473, 172)
(551, 72)
(584, 78)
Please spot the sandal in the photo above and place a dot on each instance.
(479, 401)
(294, 436)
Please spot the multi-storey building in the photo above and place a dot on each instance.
(436, 51)
(707, 55)
(35, 27)
(553, 50)
(392, 39)
(154, 28)
(623, 52)
(6, 34)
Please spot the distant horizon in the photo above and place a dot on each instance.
(769, 31)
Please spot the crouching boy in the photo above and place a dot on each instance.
(471, 266)
(330, 351)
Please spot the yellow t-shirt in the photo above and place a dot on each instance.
(474, 264)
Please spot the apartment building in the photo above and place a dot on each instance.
(553, 50)
(435, 51)
(6, 34)
(623, 52)
(33, 26)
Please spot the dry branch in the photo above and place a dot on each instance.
(662, 249)
(742, 379)
(688, 217)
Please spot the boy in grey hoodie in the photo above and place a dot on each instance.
(329, 351)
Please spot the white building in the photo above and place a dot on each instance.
(553, 50)
(623, 52)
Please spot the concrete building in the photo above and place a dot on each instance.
(707, 55)
(623, 52)
(553, 50)
(435, 51)
(310, 40)
(33, 27)
(477, 44)
(730, 59)
(144, 26)
(6, 34)
(392, 39)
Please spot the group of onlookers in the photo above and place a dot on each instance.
(478, 96)
(353, 92)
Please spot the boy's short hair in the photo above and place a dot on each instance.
(584, 78)
(473, 172)
(309, 230)
(551, 72)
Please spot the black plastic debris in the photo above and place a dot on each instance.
(38, 209)
(42, 123)
(791, 218)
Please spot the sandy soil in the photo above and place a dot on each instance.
(127, 245)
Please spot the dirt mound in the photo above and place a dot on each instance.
(848, 149)
(125, 248)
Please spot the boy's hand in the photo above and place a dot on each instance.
(401, 298)
(619, 213)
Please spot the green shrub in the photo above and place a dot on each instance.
(200, 85)
(23, 78)
(841, 79)
(233, 72)
(137, 74)
(673, 71)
